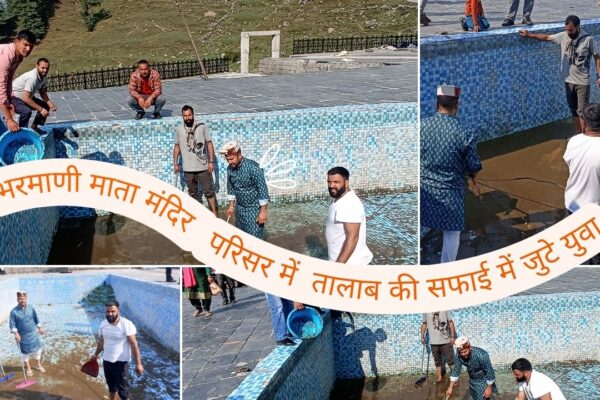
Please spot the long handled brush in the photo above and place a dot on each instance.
(5, 377)
(25, 383)
(422, 378)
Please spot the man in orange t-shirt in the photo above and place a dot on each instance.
(145, 89)
(474, 18)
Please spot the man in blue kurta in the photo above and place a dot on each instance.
(248, 197)
(25, 325)
(482, 379)
(448, 154)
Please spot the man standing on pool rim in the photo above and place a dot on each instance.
(448, 154)
(248, 198)
(117, 342)
(577, 49)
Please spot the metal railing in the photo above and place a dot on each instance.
(328, 45)
(120, 76)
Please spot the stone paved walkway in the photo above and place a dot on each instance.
(445, 14)
(239, 336)
(231, 93)
(214, 349)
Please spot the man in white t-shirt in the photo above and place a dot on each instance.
(346, 229)
(581, 156)
(118, 342)
(534, 385)
(23, 96)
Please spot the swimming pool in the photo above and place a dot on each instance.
(71, 309)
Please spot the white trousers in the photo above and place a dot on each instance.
(36, 356)
(450, 246)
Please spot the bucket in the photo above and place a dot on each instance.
(305, 324)
(21, 146)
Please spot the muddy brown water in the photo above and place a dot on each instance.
(296, 226)
(576, 381)
(504, 210)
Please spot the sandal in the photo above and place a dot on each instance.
(41, 369)
(29, 372)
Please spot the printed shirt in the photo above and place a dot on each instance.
(576, 56)
(135, 83)
(246, 184)
(448, 153)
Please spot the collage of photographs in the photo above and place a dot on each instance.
(403, 134)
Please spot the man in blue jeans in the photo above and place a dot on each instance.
(248, 198)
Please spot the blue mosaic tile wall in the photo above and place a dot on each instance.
(304, 372)
(61, 289)
(27, 235)
(153, 307)
(508, 83)
(377, 143)
(541, 328)
(8, 296)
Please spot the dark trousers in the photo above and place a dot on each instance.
(223, 281)
(169, 273)
(25, 111)
(201, 304)
(117, 377)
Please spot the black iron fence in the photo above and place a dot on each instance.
(328, 45)
(120, 76)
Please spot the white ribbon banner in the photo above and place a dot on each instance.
(385, 289)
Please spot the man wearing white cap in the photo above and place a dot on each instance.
(534, 385)
(248, 197)
(448, 154)
(482, 379)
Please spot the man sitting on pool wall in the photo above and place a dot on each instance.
(534, 385)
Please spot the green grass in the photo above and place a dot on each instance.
(153, 29)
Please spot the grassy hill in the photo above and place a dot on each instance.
(153, 29)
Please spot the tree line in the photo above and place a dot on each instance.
(35, 15)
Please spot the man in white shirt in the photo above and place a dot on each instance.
(534, 385)
(346, 230)
(117, 341)
(23, 96)
(581, 156)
